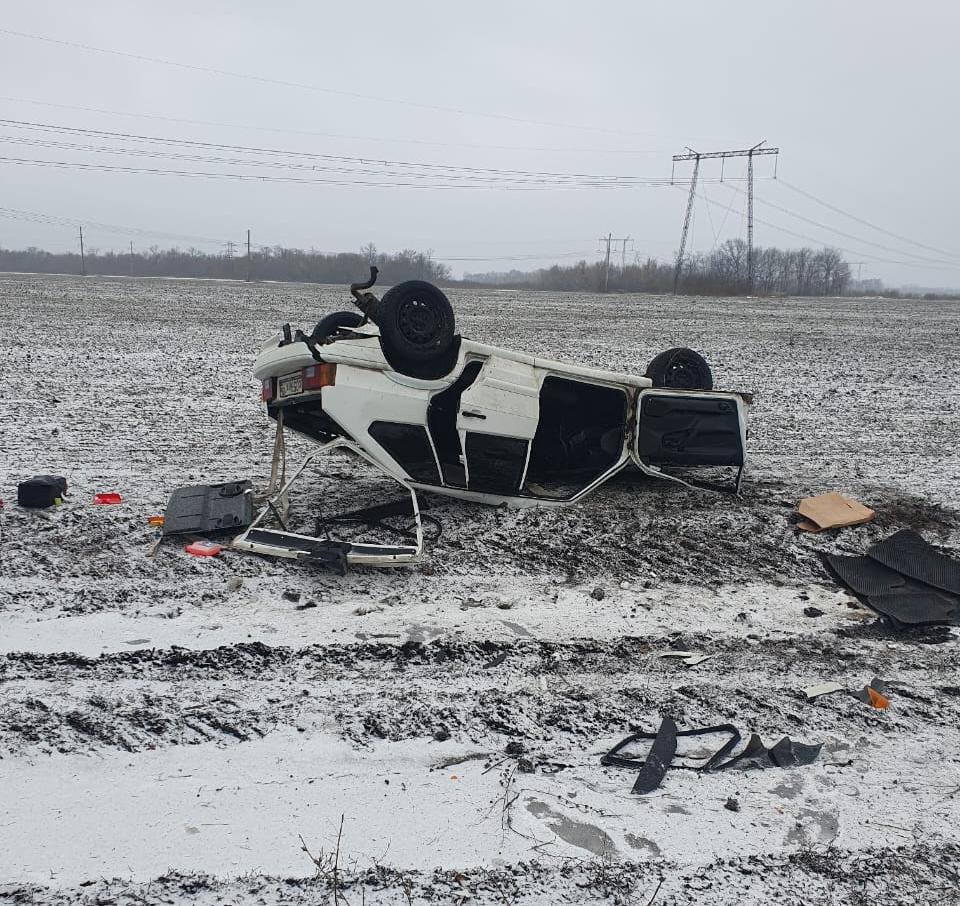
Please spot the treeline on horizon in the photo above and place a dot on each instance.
(722, 272)
(277, 263)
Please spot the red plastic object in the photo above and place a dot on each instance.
(106, 497)
(203, 549)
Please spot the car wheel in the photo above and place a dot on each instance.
(416, 327)
(680, 369)
(333, 322)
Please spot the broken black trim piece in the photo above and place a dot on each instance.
(653, 768)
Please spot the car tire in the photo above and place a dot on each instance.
(333, 322)
(416, 328)
(680, 369)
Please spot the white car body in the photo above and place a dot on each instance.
(500, 427)
(503, 401)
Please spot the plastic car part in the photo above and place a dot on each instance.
(785, 753)
(203, 548)
(661, 753)
(204, 508)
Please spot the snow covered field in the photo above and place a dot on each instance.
(170, 728)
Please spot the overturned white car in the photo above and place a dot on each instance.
(396, 385)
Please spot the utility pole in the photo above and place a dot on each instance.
(623, 255)
(83, 260)
(249, 259)
(608, 240)
(606, 266)
(696, 157)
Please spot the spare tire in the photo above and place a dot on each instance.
(416, 329)
(680, 369)
(333, 322)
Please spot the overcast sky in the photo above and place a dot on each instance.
(859, 95)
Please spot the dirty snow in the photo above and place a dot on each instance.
(171, 727)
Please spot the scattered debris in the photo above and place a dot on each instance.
(652, 769)
(688, 658)
(831, 510)
(812, 611)
(42, 491)
(876, 694)
(203, 548)
(732, 804)
(106, 498)
(598, 594)
(816, 691)
(155, 521)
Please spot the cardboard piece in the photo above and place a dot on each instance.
(832, 510)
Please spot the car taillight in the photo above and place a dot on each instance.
(266, 390)
(317, 376)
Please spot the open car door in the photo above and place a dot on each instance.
(497, 421)
(685, 429)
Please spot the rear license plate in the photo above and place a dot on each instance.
(291, 385)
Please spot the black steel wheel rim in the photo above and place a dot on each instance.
(418, 322)
(682, 373)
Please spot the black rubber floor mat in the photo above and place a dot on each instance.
(909, 554)
(915, 608)
(865, 575)
(205, 508)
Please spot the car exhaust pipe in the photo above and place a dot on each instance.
(366, 302)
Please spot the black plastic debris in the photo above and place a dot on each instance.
(41, 491)
(904, 579)
(205, 508)
(663, 753)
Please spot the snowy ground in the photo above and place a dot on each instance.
(178, 725)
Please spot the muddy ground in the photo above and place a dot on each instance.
(171, 728)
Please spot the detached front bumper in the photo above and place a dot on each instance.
(329, 551)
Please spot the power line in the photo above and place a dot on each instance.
(286, 83)
(503, 184)
(72, 222)
(247, 127)
(830, 229)
(247, 149)
(872, 226)
(815, 241)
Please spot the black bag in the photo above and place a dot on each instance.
(41, 490)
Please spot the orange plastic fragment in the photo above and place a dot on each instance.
(203, 549)
(877, 700)
(155, 520)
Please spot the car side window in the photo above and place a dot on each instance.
(410, 447)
